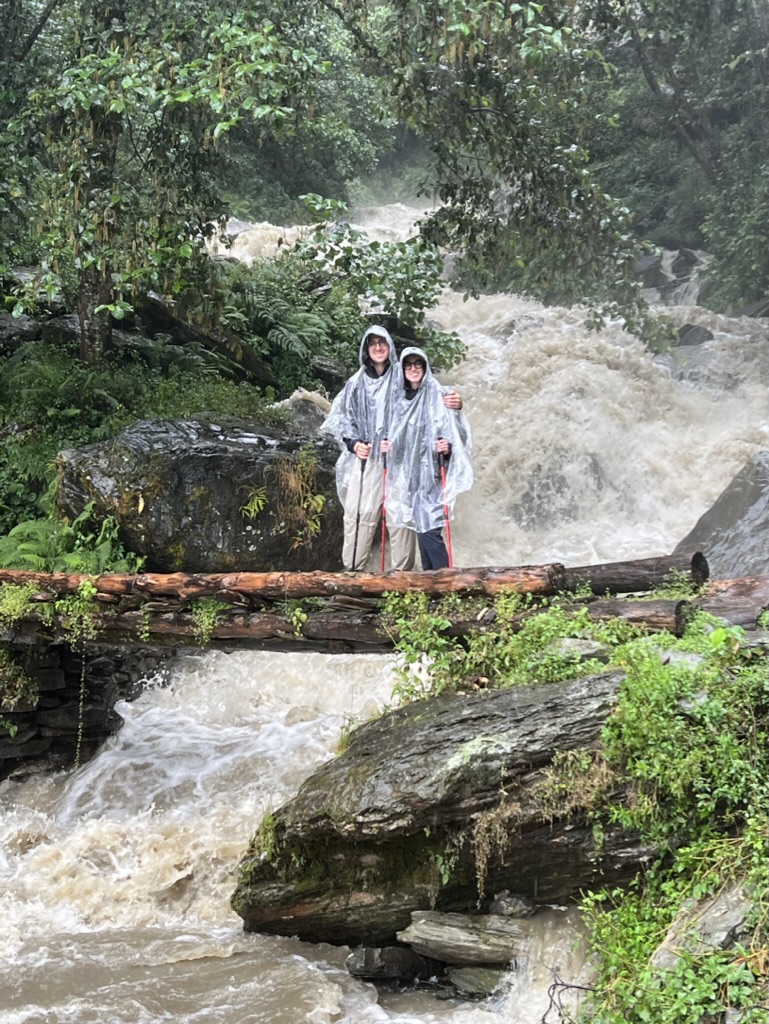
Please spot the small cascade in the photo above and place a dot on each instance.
(674, 278)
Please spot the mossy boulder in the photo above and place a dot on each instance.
(211, 495)
(438, 805)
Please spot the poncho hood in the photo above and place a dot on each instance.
(381, 332)
(412, 350)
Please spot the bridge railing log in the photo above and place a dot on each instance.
(544, 580)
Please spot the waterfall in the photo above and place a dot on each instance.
(115, 878)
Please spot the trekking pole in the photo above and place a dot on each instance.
(384, 514)
(357, 518)
(446, 522)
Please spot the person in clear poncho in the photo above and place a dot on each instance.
(424, 437)
(358, 421)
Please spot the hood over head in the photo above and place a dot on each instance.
(381, 332)
(413, 351)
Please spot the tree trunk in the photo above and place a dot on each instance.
(94, 290)
(238, 587)
(345, 626)
(95, 209)
(655, 616)
(640, 574)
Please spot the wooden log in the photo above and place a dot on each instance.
(656, 616)
(242, 587)
(154, 604)
(333, 629)
(331, 632)
(642, 574)
(738, 602)
(542, 580)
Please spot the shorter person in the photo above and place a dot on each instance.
(428, 457)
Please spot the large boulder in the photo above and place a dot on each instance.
(14, 331)
(211, 496)
(733, 533)
(427, 806)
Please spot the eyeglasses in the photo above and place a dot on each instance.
(412, 366)
(377, 342)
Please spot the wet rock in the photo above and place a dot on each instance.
(704, 927)
(673, 276)
(331, 374)
(732, 533)
(509, 905)
(759, 308)
(693, 334)
(462, 939)
(62, 331)
(178, 489)
(63, 716)
(477, 982)
(392, 826)
(14, 331)
(391, 963)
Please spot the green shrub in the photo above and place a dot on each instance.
(84, 546)
(683, 763)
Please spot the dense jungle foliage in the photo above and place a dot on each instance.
(556, 143)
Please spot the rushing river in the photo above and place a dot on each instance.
(115, 879)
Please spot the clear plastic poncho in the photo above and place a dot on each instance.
(359, 413)
(415, 494)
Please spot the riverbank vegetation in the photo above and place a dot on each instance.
(686, 745)
(555, 142)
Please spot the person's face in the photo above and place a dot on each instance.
(378, 351)
(414, 370)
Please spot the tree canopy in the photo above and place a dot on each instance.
(684, 137)
(130, 129)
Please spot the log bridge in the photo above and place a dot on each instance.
(137, 623)
(339, 612)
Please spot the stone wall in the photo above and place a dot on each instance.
(75, 703)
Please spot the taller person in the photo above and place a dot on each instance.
(357, 421)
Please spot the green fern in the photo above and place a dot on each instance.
(46, 545)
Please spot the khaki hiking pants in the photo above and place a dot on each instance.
(403, 542)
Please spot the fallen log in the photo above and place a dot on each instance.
(242, 587)
(158, 608)
(330, 633)
(654, 615)
(331, 630)
(642, 574)
(238, 587)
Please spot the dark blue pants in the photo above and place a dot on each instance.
(432, 550)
